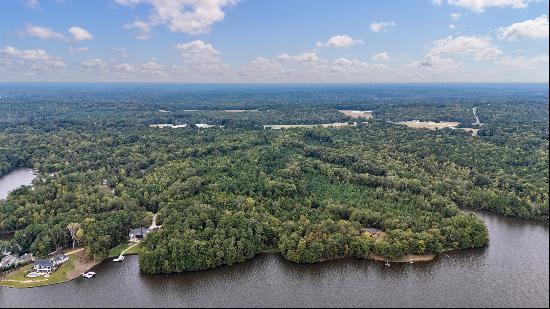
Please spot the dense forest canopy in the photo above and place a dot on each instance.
(227, 193)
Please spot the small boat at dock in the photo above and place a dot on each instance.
(119, 259)
(88, 275)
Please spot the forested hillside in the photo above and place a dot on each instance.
(227, 193)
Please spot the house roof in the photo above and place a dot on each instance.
(60, 257)
(7, 260)
(43, 263)
(140, 231)
(26, 257)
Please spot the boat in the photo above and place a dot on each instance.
(387, 263)
(88, 275)
(119, 259)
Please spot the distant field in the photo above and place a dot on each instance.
(357, 114)
(429, 124)
(293, 126)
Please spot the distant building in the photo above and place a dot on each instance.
(204, 125)
(137, 234)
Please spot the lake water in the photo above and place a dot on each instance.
(15, 179)
(511, 271)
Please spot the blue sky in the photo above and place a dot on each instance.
(274, 41)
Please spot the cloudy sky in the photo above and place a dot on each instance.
(274, 41)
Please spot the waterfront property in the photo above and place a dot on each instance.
(43, 266)
(10, 260)
(47, 266)
(138, 234)
(59, 259)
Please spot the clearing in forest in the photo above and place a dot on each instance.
(356, 114)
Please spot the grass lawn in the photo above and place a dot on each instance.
(133, 250)
(17, 278)
(116, 251)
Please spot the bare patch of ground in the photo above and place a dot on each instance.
(326, 125)
(405, 259)
(356, 114)
(167, 125)
(240, 110)
(82, 264)
(430, 125)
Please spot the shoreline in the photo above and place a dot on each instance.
(81, 266)
(372, 257)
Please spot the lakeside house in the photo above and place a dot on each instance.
(43, 266)
(47, 266)
(59, 260)
(8, 261)
(138, 234)
(14, 260)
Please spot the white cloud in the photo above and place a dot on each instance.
(144, 29)
(202, 56)
(530, 29)
(42, 33)
(187, 16)
(452, 27)
(479, 6)
(29, 54)
(152, 65)
(523, 63)
(480, 47)
(383, 56)
(304, 57)
(310, 67)
(342, 40)
(456, 16)
(35, 55)
(80, 34)
(435, 68)
(95, 62)
(380, 26)
(121, 52)
(78, 49)
(126, 67)
(436, 2)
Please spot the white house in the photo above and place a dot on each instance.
(47, 266)
(43, 266)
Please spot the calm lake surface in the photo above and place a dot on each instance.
(15, 179)
(511, 271)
